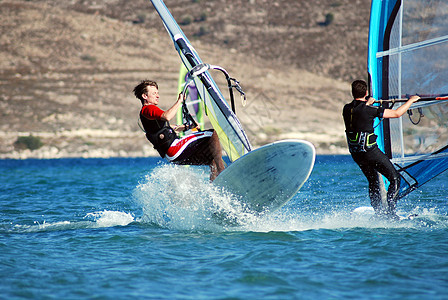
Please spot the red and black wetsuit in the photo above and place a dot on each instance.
(192, 149)
(158, 132)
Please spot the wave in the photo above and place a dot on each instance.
(182, 198)
(100, 219)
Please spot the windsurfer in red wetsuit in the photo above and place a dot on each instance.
(198, 148)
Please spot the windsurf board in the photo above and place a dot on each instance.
(369, 211)
(268, 177)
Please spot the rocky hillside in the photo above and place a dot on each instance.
(67, 69)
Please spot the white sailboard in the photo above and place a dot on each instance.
(265, 178)
(268, 177)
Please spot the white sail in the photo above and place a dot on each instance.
(223, 119)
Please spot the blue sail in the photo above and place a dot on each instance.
(408, 55)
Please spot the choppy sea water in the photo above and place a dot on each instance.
(139, 228)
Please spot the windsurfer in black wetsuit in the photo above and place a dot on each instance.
(358, 118)
(197, 148)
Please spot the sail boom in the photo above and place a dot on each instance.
(412, 47)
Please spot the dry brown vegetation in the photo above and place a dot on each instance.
(67, 68)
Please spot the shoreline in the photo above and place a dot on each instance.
(126, 157)
(97, 143)
(47, 152)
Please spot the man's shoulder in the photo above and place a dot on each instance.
(151, 107)
(374, 108)
(151, 111)
(347, 106)
(148, 107)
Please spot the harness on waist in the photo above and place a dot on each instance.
(162, 139)
(360, 141)
(159, 133)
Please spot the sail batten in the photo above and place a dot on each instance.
(413, 47)
(408, 55)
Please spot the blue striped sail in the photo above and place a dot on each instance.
(408, 55)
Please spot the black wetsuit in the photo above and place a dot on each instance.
(358, 118)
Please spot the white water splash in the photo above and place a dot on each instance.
(101, 219)
(108, 218)
(182, 197)
(289, 219)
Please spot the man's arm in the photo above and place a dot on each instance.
(172, 111)
(396, 113)
(178, 128)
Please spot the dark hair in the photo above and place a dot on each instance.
(140, 89)
(359, 88)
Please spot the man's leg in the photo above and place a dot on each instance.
(372, 177)
(374, 189)
(217, 165)
(201, 148)
(385, 167)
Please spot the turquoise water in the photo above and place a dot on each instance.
(139, 228)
